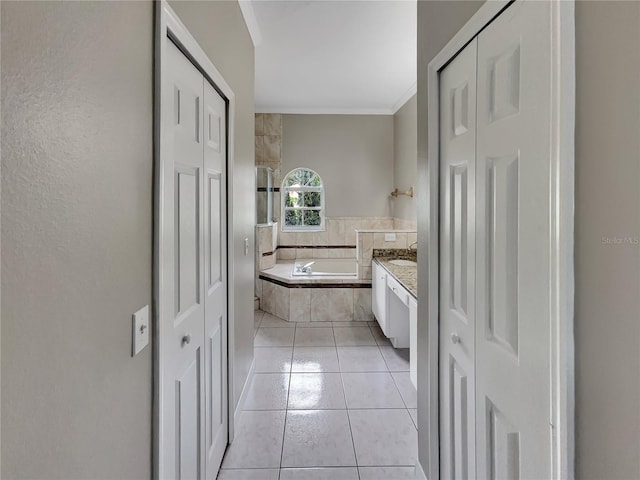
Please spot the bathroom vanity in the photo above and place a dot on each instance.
(394, 303)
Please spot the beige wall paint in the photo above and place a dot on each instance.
(607, 309)
(405, 158)
(77, 172)
(607, 295)
(352, 153)
(220, 30)
(77, 204)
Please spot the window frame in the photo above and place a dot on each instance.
(284, 189)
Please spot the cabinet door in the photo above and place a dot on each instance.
(413, 340)
(379, 297)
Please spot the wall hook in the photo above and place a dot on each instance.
(408, 193)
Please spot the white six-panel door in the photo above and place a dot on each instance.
(215, 278)
(513, 369)
(193, 285)
(495, 359)
(457, 263)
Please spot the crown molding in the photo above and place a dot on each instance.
(246, 7)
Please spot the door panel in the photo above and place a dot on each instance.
(194, 396)
(457, 272)
(513, 244)
(215, 261)
(187, 239)
(187, 412)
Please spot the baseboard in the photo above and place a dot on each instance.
(243, 396)
(420, 475)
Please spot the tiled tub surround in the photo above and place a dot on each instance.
(338, 240)
(407, 276)
(314, 299)
(368, 240)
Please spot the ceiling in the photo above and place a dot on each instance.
(323, 56)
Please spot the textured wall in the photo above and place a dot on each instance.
(77, 172)
(77, 203)
(220, 30)
(607, 300)
(352, 153)
(405, 158)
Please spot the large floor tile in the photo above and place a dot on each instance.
(250, 474)
(406, 388)
(312, 324)
(414, 416)
(273, 359)
(326, 473)
(371, 390)
(397, 359)
(387, 473)
(384, 437)
(361, 359)
(274, 337)
(350, 324)
(348, 336)
(316, 391)
(379, 336)
(318, 438)
(315, 359)
(271, 321)
(314, 337)
(257, 442)
(268, 391)
(257, 317)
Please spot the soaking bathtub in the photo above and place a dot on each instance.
(347, 267)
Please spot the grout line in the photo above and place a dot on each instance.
(344, 394)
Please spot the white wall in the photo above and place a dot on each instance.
(405, 158)
(607, 276)
(352, 153)
(77, 205)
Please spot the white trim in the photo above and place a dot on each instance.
(562, 204)
(168, 22)
(406, 96)
(324, 110)
(249, 14)
(243, 397)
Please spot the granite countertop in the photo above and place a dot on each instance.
(407, 276)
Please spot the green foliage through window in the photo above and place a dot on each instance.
(303, 200)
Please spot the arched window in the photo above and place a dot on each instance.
(302, 200)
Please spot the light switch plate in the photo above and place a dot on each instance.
(389, 237)
(140, 330)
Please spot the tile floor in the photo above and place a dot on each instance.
(329, 400)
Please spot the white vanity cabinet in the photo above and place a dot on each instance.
(413, 339)
(379, 296)
(396, 311)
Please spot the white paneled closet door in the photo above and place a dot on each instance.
(513, 358)
(495, 236)
(457, 260)
(193, 278)
(215, 208)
